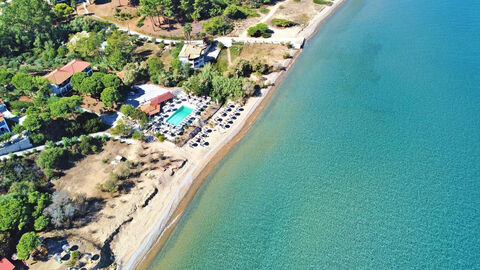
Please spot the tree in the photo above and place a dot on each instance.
(119, 49)
(155, 65)
(40, 223)
(134, 72)
(92, 85)
(258, 30)
(23, 81)
(36, 119)
(62, 10)
(55, 157)
(13, 212)
(241, 68)
(110, 96)
(65, 106)
(217, 26)
(73, 5)
(28, 243)
(76, 80)
(187, 31)
(25, 24)
(85, 45)
(62, 209)
(111, 80)
(5, 76)
(234, 12)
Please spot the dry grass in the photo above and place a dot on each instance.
(270, 53)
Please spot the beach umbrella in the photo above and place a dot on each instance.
(57, 257)
(66, 248)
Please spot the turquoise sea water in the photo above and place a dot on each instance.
(368, 157)
(178, 116)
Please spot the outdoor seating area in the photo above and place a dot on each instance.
(178, 113)
(224, 119)
(228, 115)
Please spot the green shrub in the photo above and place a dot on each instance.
(257, 30)
(28, 243)
(283, 23)
(17, 105)
(264, 10)
(140, 22)
(137, 135)
(160, 137)
(40, 223)
(321, 2)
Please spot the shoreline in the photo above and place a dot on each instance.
(194, 178)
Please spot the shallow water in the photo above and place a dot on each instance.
(367, 157)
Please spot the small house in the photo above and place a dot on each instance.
(60, 78)
(194, 54)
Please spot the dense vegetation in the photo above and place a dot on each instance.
(27, 204)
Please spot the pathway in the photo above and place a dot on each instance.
(266, 18)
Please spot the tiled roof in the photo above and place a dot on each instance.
(5, 264)
(62, 74)
(150, 109)
(163, 97)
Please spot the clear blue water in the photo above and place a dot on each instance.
(178, 116)
(382, 173)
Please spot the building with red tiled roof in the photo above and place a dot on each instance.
(60, 78)
(155, 104)
(5, 264)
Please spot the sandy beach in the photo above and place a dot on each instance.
(138, 240)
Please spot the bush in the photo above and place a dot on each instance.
(40, 223)
(137, 135)
(17, 105)
(160, 137)
(55, 157)
(321, 2)
(217, 26)
(140, 22)
(257, 30)
(110, 185)
(283, 23)
(74, 256)
(234, 12)
(28, 243)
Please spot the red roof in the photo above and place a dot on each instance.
(5, 264)
(150, 109)
(163, 97)
(60, 75)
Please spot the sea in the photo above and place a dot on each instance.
(367, 157)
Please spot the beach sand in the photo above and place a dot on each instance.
(138, 241)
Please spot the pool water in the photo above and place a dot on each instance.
(179, 115)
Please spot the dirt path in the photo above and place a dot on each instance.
(229, 57)
(266, 18)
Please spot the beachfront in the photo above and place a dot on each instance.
(156, 178)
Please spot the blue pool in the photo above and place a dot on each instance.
(179, 115)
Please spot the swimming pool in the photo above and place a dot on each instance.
(179, 115)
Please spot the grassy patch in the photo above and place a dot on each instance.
(222, 61)
(264, 10)
(235, 51)
(321, 2)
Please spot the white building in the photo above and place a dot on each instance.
(194, 54)
(60, 78)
